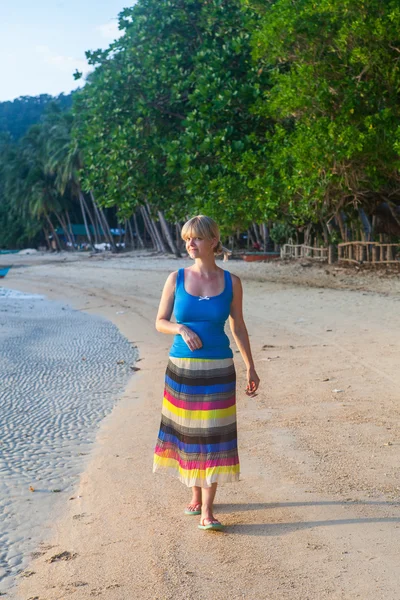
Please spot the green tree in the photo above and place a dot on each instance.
(334, 99)
(16, 230)
(166, 117)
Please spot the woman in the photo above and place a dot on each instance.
(197, 440)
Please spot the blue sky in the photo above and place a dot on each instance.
(42, 42)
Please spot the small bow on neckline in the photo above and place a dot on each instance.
(203, 298)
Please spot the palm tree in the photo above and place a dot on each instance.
(29, 186)
(65, 161)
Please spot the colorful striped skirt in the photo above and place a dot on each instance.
(197, 441)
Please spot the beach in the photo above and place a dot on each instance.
(55, 390)
(316, 514)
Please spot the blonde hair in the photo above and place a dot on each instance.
(204, 227)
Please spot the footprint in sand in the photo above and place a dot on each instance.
(62, 556)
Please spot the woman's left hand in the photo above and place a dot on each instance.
(253, 381)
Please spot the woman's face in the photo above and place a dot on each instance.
(198, 247)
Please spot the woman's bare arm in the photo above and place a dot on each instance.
(163, 319)
(164, 314)
(241, 336)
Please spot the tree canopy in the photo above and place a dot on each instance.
(167, 114)
(284, 111)
(335, 77)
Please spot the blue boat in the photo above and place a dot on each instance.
(9, 251)
(4, 271)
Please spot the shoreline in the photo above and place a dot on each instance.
(55, 392)
(309, 513)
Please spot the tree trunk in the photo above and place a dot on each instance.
(53, 231)
(162, 233)
(256, 233)
(325, 232)
(81, 200)
(393, 211)
(71, 230)
(342, 226)
(65, 229)
(46, 236)
(168, 235)
(251, 237)
(265, 235)
(103, 221)
(100, 227)
(156, 231)
(329, 226)
(131, 238)
(96, 238)
(373, 224)
(119, 236)
(307, 235)
(366, 224)
(150, 230)
(138, 236)
(178, 238)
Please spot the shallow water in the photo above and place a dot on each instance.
(59, 377)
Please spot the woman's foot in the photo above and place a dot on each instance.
(211, 523)
(208, 521)
(194, 508)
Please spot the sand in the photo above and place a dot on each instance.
(55, 390)
(316, 514)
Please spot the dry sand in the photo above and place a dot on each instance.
(316, 514)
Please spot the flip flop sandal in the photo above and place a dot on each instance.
(216, 525)
(193, 512)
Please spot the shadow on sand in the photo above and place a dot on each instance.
(271, 529)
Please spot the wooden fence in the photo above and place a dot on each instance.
(370, 252)
(302, 251)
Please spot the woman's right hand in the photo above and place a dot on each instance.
(191, 338)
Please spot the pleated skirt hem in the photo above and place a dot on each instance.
(198, 479)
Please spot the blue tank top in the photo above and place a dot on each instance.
(206, 316)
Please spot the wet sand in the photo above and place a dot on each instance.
(61, 372)
(316, 514)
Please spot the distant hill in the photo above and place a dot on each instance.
(18, 115)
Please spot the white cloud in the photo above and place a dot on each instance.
(66, 64)
(109, 31)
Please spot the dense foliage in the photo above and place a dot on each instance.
(167, 114)
(335, 103)
(251, 112)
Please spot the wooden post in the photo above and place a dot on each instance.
(373, 253)
(350, 252)
(389, 253)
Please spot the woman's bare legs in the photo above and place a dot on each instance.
(196, 499)
(207, 501)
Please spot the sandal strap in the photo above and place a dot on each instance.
(210, 521)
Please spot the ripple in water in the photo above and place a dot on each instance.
(59, 376)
